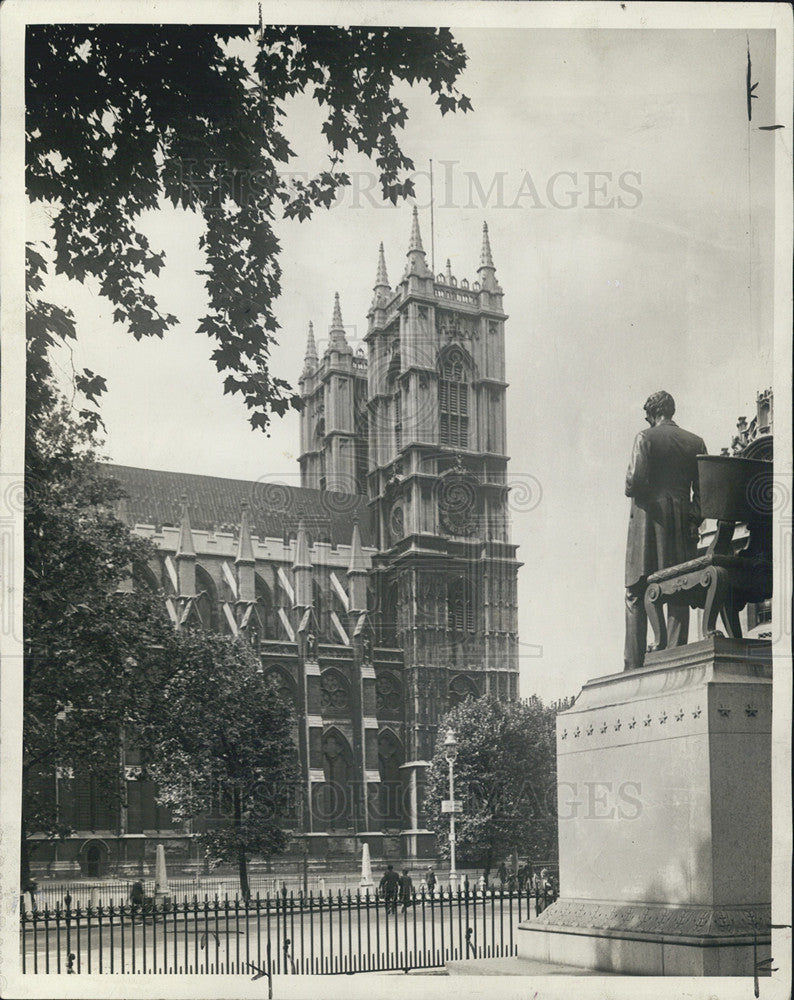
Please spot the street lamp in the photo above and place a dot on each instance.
(451, 753)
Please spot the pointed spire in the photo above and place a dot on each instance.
(486, 270)
(486, 260)
(416, 237)
(449, 270)
(245, 548)
(338, 341)
(382, 278)
(185, 548)
(417, 262)
(311, 360)
(336, 321)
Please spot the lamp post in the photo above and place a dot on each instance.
(451, 753)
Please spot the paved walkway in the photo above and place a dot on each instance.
(515, 967)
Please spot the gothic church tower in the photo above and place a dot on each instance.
(419, 427)
(445, 575)
(333, 422)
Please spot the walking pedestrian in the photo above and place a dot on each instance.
(544, 888)
(406, 888)
(502, 873)
(430, 882)
(137, 896)
(389, 887)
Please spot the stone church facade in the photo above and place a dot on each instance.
(378, 593)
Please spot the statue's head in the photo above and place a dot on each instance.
(660, 404)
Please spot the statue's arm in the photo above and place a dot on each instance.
(637, 472)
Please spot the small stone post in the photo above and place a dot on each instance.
(366, 868)
(161, 893)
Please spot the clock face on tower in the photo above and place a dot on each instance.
(457, 505)
(396, 522)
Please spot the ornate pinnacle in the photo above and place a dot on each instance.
(417, 264)
(338, 341)
(336, 321)
(416, 237)
(486, 260)
(311, 359)
(382, 278)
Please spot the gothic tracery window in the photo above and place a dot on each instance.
(390, 757)
(282, 684)
(334, 694)
(460, 688)
(460, 606)
(453, 400)
(388, 693)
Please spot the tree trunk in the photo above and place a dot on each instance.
(242, 860)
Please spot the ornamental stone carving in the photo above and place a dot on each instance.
(334, 694)
(388, 694)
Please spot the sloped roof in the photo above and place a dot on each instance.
(215, 504)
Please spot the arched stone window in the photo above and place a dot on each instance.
(390, 757)
(453, 399)
(144, 578)
(461, 688)
(263, 624)
(460, 605)
(278, 677)
(338, 807)
(207, 600)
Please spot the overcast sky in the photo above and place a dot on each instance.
(630, 211)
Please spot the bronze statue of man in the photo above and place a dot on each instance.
(662, 481)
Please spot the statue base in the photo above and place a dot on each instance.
(664, 798)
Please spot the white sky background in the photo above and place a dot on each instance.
(606, 304)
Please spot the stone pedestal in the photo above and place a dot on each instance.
(664, 798)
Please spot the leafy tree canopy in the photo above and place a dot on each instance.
(120, 118)
(103, 663)
(83, 638)
(505, 775)
(219, 742)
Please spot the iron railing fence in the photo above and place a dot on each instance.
(117, 891)
(276, 935)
